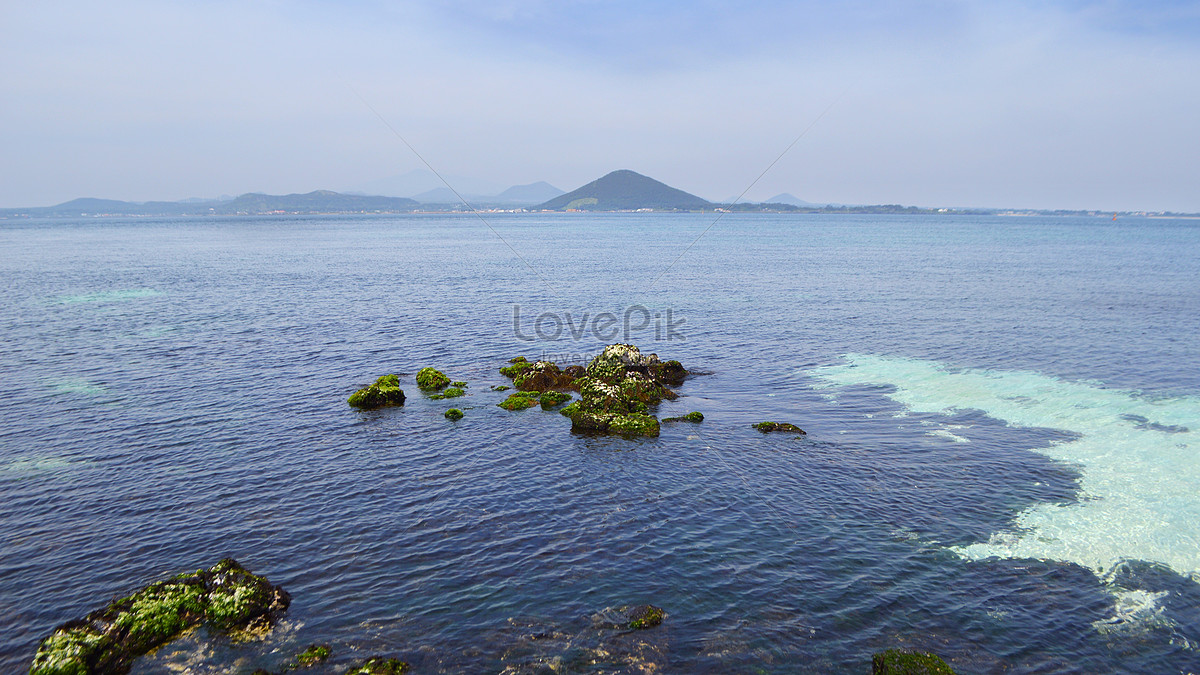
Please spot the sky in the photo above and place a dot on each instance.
(1069, 104)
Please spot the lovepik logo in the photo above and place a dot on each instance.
(605, 327)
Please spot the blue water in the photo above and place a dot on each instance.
(1001, 413)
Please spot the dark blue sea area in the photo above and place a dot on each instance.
(1000, 463)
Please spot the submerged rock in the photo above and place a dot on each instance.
(314, 654)
(454, 414)
(385, 392)
(379, 665)
(225, 596)
(501, 387)
(645, 616)
(768, 427)
(904, 662)
(693, 417)
(431, 379)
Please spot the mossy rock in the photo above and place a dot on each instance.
(448, 392)
(551, 399)
(518, 359)
(645, 616)
(313, 655)
(431, 379)
(634, 424)
(541, 376)
(385, 392)
(459, 383)
(905, 662)
(379, 665)
(225, 596)
(693, 417)
(768, 427)
(516, 368)
(501, 387)
(520, 401)
(454, 414)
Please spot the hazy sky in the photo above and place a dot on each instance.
(1039, 104)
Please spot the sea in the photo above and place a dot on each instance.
(1001, 465)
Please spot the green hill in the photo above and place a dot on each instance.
(625, 190)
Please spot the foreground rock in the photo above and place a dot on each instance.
(379, 665)
(903, 662)
(619, 388)
(768, 427)
(385, 392)
(226, 597)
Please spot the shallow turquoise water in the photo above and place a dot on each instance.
(1000, 416)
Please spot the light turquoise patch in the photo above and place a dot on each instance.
(76, 385)
(31, 466)
(1140, 475)
(110, 296)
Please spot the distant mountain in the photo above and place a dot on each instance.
(625, 190)
(788, 198)
(445, 195)
(320, 201)
(533, 193)
(417, 181)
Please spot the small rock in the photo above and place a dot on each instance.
(904, 662)
(767, 427)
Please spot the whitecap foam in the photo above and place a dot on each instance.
(1137, 457)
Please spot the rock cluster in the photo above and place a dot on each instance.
(619, 388)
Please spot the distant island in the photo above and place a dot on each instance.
(625, 190)
(250, 204)
(618, 191)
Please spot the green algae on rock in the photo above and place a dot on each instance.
(379, 665)
(551, 399)
(385, 392)
(431, 379)
(645, 616)
(904, 662)
(693, 417)
(314, 654)
(501, 387)
(448, 392)
(519, 364)
(768, 427)
(520, 400)
(454, 414)
(225, 596)
(458, 383)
